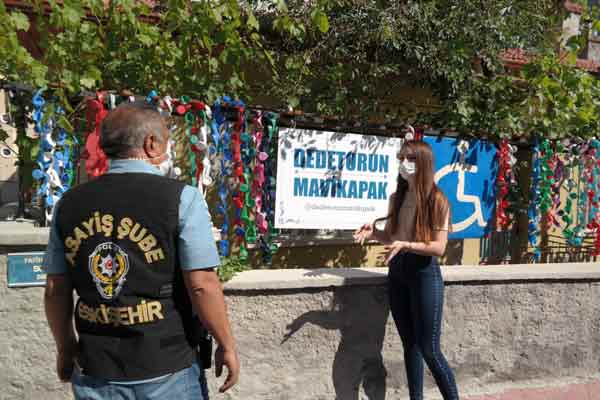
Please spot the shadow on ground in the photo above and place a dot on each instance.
(360, 313)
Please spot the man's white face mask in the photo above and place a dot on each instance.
(166, 167)
(407, 169)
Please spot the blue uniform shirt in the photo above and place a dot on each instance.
(196, 244)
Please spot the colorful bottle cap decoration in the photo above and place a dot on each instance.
(240, 158)
(533, 211)
(568, 168)
(96, 163)
(54, 172)
(268, 197)
(503, 179)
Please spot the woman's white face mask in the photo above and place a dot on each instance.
(407, 169)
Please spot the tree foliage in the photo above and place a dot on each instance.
(550, 96)
(203, 48)
(347, 58)
(374, 50)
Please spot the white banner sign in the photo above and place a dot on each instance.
(331, 180)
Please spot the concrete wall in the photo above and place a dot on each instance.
(27, 352)
(327, 333)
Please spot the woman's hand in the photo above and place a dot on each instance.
(364, 233)
(396, 247)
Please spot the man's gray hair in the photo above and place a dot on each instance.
(124, 129)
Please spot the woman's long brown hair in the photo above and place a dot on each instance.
(432, 207)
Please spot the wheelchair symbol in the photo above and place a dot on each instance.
(461, 169)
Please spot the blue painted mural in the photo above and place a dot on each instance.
(466, 172)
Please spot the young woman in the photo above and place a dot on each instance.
(415, 234)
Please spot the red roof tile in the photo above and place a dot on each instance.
(516, 58)
(588, 65)
(573, 7)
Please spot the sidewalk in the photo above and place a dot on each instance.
(22, 233)
(576, 391)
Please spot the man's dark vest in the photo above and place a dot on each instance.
(133, 316)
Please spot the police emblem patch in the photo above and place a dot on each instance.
(108, 265)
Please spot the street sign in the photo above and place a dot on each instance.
(25, 269)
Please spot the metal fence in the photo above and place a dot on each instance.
(503, 247)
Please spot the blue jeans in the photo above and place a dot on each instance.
(416, 291)
(187, 384)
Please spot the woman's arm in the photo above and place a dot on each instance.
(436, 247)
(370, 232)
(383, 236)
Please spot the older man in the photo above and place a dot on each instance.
(130, 243)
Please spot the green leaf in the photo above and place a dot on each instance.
(71, 15)
(34, 150)
(321, 21)
(213, 64)
(64, 123)
(20, 20)
(85, 28)
(87, 82)
(290, 62)
(207, 42)
(38, 74)
(94, 72)
(293, 101)
(230, 266)
(252, 21)
(386, 32)
(270, 58)
(235, 82)
(218, 14)
(49, 111)
(145, 39)
(282, 6)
